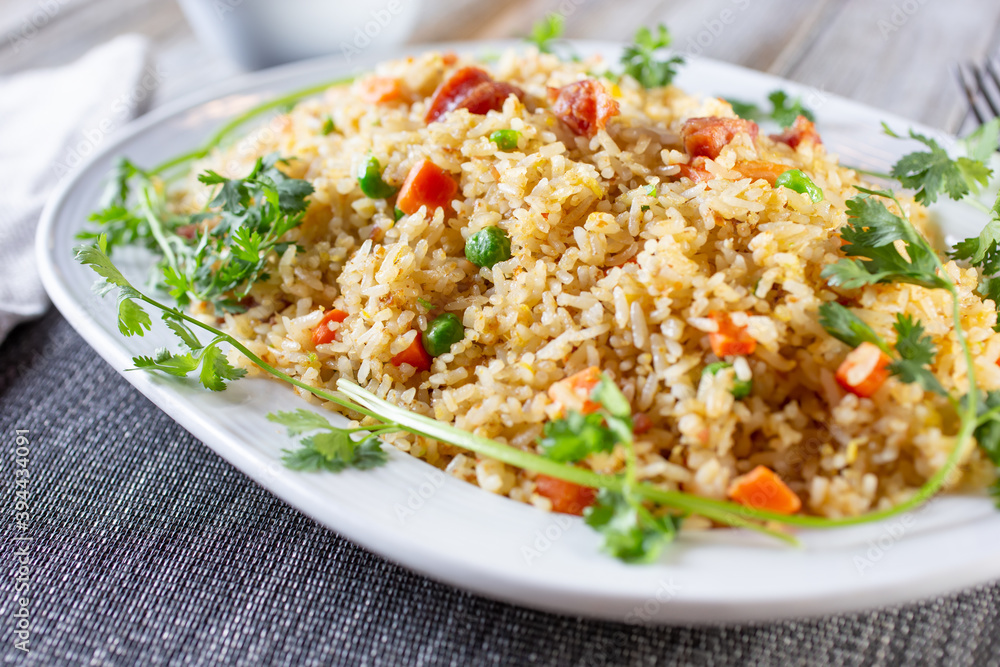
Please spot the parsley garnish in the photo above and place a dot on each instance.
(871, 232)
(546, 31)
(784, 109)
(643, 61)
(216, 263)
(933, 173)
(331, 448)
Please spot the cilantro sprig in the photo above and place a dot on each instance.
(217, 263)
(329, 448)
(784, 109)
(912, 353)
(645, 61)
(546, 31)
(933, 172)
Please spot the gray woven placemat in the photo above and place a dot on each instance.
(150, 549)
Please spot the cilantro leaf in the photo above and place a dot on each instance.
(745, 110)
(301, 421)
(181, 330)
(576, 436)
(331, 449)
(981, 144)
(96, 257)
(546, 31)
(178, 365)
(871, 233)
(845, 326)
(987, 434)
(216, 369)
(631, 533)
(983, 250)
(933, 173)
(607, 393)
(786, 110)
(132, 318)
(641, 60)
(916, 352)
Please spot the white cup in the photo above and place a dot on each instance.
(262, 33)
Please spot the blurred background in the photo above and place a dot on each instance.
(896, 55)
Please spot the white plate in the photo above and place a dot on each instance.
(456, 533)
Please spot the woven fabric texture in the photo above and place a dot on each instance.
(150, 549)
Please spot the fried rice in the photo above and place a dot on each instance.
(617, 262)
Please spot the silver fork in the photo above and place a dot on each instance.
(981, 86)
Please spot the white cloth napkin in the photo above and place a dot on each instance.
(52, 120)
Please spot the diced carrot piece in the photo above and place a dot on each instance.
(415, 355)
(729, 339)
(566, 497)
(426, 185)
(864, 370)
(759, 169)
(449, 58)
(762, 489)
(573, 393)
(321, 333)
(381, 89)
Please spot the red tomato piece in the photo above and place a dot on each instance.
(566, 497)
(427, 185)
(415, 355)
(321, 333)
(707, 136)
(585, 106)
(864, 370)
(729, 339)
(801, 130)
(469, 88)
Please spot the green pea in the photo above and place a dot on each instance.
(795, 179)
(506, 140)
(443, 332)
(328, 126)
(370, 180)
(740, 388)
(487, 247)
(712, 369)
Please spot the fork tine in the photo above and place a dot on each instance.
(969, 91)
(977, 72)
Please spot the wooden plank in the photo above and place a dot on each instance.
(898, 55)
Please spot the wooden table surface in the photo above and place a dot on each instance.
(896, 55)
